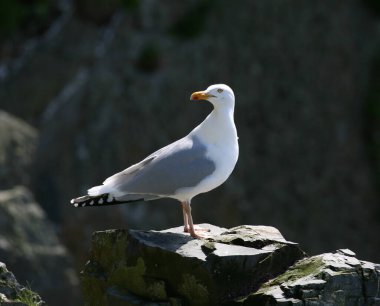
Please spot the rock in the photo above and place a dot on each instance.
(241, 266)
(329, 279)
(18, 141)
(14, 294)
(130, 267)
(30, 246)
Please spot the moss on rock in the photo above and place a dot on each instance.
(109, 247)
(194, 290)
(308, 267)
(327, 279)
(133, 279)
(12, 293)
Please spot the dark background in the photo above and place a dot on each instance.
(102, 84)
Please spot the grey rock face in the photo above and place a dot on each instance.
(18, 141)
(171, 268)
(30, 247)
(14, 294)
(329, 279)
(241, 266)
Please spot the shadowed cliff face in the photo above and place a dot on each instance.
(18, 142)
(29, 244)
(31, 249)
(104, 94)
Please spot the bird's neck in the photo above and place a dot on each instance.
(218, 126)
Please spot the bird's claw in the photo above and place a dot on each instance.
(197, 228)
(197, 233)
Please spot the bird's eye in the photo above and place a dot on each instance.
(220, 90)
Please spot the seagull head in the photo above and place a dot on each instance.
(220, 95)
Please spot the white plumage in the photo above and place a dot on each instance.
(197, 163)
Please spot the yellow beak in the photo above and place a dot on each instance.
(200, 95)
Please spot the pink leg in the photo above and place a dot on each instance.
(187, 211)
(185, 219)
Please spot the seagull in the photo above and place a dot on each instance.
(194, 164)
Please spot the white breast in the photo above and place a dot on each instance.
(218, 133)
(225, 158)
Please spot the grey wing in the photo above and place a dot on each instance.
(181, 164)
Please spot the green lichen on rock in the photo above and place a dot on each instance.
(156, 290)
(109, 247)
(110, 267)
(12, 293)
(93, 285)
(107, 251)
(306, 267)
(28, 297)
(133, 279)
(130, 277)
(327, 279)
(195, 292)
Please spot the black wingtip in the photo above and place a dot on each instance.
(101, 200)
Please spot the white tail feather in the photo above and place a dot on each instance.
(98, 190)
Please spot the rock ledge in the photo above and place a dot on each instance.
(172, 268)
(245, 265)
(327, 279)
